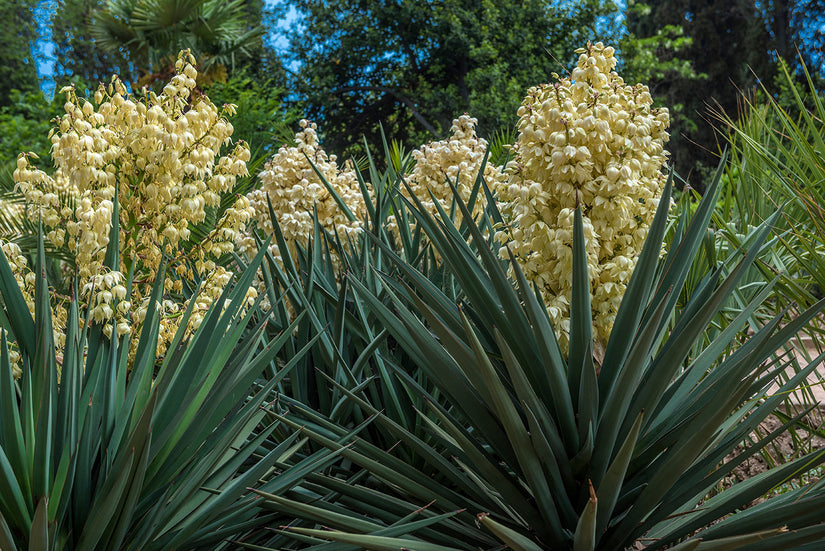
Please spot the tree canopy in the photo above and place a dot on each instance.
(732, 45)
(17, 36)
(414, 66)
(77, 56)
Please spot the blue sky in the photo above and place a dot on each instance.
(44, 49)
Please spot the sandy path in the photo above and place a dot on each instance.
(816, 380)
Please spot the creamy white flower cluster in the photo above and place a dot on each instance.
(296, 191)
(105, 294)
(161, 154)
(457, 161)
(25, 279)
(589, 140)
(169, 311)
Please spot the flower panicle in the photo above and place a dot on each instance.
(593, 142)
(168, 157)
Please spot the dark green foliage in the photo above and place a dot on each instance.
(731, 45)
(658, 55)
(261, 119)
(25, 121)
(17, 35)
(414, 66)
(149, 34)
(24, 127)
(77, 56)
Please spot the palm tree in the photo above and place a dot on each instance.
(150, 33)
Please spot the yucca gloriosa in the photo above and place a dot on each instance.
(556, 452)
(352, 346)
(102, 451)
(441, 382)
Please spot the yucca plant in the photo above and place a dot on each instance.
(535, 450)
(352, 348)
(100, 450)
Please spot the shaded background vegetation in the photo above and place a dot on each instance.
(354, 66)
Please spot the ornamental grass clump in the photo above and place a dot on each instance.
(587, 140)
(159, 157)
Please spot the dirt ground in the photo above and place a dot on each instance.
(787, 445)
